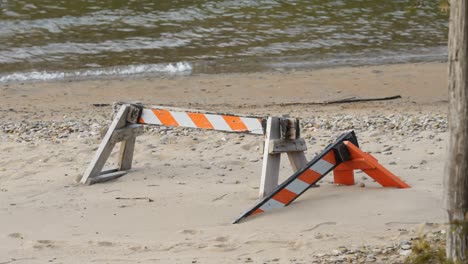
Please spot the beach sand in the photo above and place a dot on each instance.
(195, 183)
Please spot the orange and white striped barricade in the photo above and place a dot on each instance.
(164, 116)
(128, 124)
(343, 156)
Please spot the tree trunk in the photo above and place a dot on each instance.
(456, 176)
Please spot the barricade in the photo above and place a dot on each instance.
(343, 157)
(282, 135)
(128, 124)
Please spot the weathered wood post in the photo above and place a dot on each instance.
(456, 170)
(282, 135)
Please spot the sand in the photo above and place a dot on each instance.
(195, 183)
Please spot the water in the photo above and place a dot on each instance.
(43, 39)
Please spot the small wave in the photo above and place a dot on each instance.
(170, 69)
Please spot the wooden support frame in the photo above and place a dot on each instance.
(281, 136)
(122, 129)
(128, 122)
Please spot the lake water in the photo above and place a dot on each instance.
(43, 39)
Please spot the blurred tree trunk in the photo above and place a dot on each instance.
(456, 175)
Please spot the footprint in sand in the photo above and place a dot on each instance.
(318, 225)
(189, 231)
(105, 244)
(41, 244)
(221, 239)
(220, 245)
(139, 248)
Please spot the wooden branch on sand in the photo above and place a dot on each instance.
(343, 101)
(354, 99)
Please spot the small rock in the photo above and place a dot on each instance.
(387, 149)
(405, 247)
(405, 252)
(370, 258)
(336, 252)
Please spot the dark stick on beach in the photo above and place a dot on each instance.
(344, 101)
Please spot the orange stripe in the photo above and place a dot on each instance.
(309, 176)
(257, 211)
(284, 196)
(141, 121)
(165, 117)
(330, 157)
(200, 120)
(235, 123)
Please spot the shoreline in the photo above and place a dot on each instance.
(423, 83)
(199, 180)
(227, 66)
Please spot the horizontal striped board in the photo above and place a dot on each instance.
(222, 122)
(303, 179)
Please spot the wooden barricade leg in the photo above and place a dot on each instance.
(120, 130)
(297, 159)
(281, 137)
(271, 162)
(126, 154)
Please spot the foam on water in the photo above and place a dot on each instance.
(178, 68)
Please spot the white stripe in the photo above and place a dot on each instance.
(253, 125)
(297, 186)
(271, 204)
(183, 119)
(218, 122)
(149, 117)
(322, 166)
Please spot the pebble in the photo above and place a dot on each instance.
(405, 247)
(387, 149)
(405, 252)
(370, 258)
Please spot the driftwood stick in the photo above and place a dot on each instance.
(341, 101)
(352, 100)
